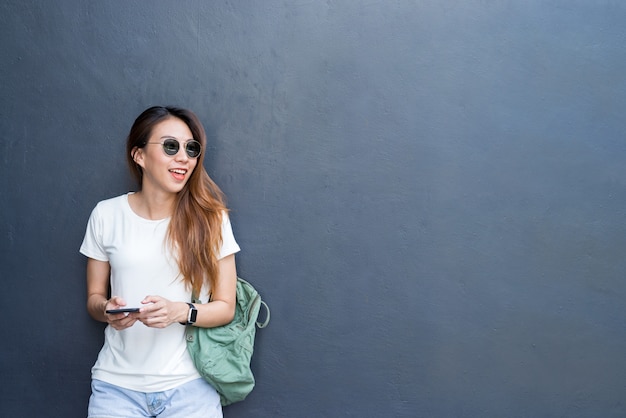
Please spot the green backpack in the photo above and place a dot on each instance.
(222, 354)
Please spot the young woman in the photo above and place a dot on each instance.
(150, 250)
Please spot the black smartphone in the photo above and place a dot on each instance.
(122, 310)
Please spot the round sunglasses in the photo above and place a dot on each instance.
(171, 146)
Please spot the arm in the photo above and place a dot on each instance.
(98, 275)
(220, 311)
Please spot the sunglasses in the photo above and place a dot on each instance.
(171, 146)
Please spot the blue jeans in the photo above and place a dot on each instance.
(196, 399)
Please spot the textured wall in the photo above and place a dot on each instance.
(429, 194)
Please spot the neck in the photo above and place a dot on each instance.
(153, 206)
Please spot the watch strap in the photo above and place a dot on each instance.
(191, 316)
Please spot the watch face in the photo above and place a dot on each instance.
(193, 313)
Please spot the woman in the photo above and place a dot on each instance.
(150, 250)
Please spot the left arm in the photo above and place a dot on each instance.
(220, 311)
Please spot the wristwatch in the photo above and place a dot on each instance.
(193, 313)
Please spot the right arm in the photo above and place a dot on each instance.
(98, 277)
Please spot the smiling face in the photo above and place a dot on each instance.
(164, 173)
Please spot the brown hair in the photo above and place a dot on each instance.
(195, 230)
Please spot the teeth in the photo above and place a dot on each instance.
(179, 171)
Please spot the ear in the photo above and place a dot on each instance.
(137, 154)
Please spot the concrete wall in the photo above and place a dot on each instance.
(429, 194)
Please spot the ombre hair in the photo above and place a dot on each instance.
(195, 230)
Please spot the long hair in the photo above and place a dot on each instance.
(195, 232)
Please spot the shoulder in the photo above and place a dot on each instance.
(225, 218)
(111, 206)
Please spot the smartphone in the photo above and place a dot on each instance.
(122, 310)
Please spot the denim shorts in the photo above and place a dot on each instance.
(196, 399)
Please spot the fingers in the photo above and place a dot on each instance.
(156, 312)
(119, 321)
(152, 299)
(116, 302)
(126, 321)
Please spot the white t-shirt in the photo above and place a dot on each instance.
(142, 358)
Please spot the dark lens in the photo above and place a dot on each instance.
(170, 146)
(193, 148)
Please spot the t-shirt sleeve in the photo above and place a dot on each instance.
(92, 243)
(229, 245)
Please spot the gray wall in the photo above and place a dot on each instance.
(429, 194)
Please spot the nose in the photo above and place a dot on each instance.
(181, 155)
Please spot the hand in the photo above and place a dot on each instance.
(118, 321)
(159, 312)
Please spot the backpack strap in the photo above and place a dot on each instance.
(267, 316)
(259, 324)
